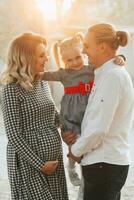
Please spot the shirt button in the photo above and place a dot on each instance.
(100, 166)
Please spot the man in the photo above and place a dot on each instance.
(103, 146)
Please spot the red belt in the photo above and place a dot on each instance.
(82, 88)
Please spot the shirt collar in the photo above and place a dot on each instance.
(104, 68)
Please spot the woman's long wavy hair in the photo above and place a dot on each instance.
(21, 59)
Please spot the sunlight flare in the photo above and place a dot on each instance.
(48, 9)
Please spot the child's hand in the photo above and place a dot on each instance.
(49, 167)
(68, 137)
(119, 60)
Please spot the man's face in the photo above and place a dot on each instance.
(91, 49)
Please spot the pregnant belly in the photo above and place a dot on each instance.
(46, 143)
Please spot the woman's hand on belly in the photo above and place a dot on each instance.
(49, 167)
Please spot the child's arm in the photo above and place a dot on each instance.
(58, 75)
(52, 75)
(120, 60)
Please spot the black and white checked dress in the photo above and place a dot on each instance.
(31, 122)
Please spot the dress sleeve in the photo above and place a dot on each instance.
(53, 75)
(57, 119)
(11, 114)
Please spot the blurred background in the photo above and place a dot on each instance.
(57, 19)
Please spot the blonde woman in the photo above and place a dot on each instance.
(103, 145)
(34, 151)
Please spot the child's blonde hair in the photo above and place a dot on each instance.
(67, 44)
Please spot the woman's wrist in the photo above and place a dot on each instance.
(42, 167)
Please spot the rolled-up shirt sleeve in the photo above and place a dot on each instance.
(99, 114)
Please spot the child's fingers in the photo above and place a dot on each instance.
(117, 60)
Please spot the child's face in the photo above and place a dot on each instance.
(73, 59)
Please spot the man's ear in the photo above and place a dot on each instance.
(102, 47)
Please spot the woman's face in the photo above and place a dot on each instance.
(73, 58)
(41, 58)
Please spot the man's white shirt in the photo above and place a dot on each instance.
(108, 118)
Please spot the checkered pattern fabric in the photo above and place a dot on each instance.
(31, 122)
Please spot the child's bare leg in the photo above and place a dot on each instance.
(73, 175)
(71, 163)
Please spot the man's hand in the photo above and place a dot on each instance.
(49, 167)
(77, 159)
(68, 137)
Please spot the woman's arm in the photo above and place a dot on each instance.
(57, 119)
(11, 114)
